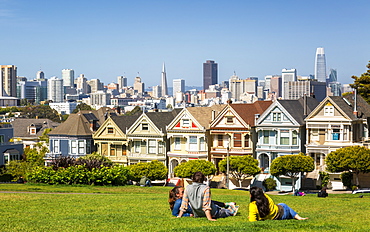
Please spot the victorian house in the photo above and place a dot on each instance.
(188, 135)
(147, 137)
(281, 131)
(232, 130)
(336, 122)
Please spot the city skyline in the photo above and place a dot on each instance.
(123, 38)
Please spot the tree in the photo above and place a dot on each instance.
(186, 170)
(240, 167)
(82, 106)
(136, 110)
(354, 159)
(155, 170)
(362, 84)
(292, 166)
(41, 111)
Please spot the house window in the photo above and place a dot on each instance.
(177, 143)
(160, 147)
(220, 140)
(335, 134)
(329, 111)
(152, 146)
(202, 144)
(229, 119)
(295, 138)
(74, 147)
(237, 140)
(137, 145)
(185, 123)
(112, 150)
(144, 126)
(32, 130)
(266, 138)
(193, 143)
(81, 147)
(284, 137)
(276, 117)
(246, 140)
(345, 132)
(110, 130)
(314, 134)
(56, 146)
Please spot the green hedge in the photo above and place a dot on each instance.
(79, 174)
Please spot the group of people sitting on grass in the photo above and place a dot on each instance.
(195, 201)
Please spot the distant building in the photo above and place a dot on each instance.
(68, 76)
(238, 87)
(138, 85)
(287, 75)
(164, 82)
(55, 89)
(320, 65)
(95, 85)
(210, 76)
(178, 85)
(298, 89)
(8, 74)
(33, 91)
(122, 81)
(64, 107)
(157, 91)
(82, 86)
(40, 75)
(100, 98)
(276, 86)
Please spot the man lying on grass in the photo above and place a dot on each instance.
(199, 196)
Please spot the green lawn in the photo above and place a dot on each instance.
(132, 208)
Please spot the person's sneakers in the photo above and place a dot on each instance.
(229, 204)
(236, 210)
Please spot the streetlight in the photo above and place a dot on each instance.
(227, 161)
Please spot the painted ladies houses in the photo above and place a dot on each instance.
(147, 137)
(281, 131)
(232, 131)
(111, 138)
(188, 135)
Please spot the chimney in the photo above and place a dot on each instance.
(304, 105)
(213, 115)
(355, 105)
(93, 125)
(256, 116)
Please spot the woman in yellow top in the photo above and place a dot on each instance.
(262, 207)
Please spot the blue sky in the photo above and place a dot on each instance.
(105, 39)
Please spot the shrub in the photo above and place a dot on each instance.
(186, 170)
(155, 170)
(347, 179)
(269, 184)
(324, 176)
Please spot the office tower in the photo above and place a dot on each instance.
(209, 74)
(297, 89)
(268, 82)
(82, 86)
(68, 76)
(139, 86)
(333, 76)
(238, 87)
(40, 75)
(8, 80)
(122, 81)
(287, 75)
(95, 85)
(320, 65)
(164, 81)
(55, 89)
(100, 98)
(178, 85)
(34, 91)
(276, 86)
(157, 91)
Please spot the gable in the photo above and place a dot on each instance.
(276, 115)
(328, 110)
(185, 122)
(229, 119)
(143, 126)
(109, 129)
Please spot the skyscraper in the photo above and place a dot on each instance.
(122, 81)
(55, 89)
(164, 81)
(320, 65)
(287, 75)
(178, 86)
(209, 74)
(68, 76)
(333, 76)
(40, 75)
(8, 82)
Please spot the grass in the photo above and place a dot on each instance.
(133, 208)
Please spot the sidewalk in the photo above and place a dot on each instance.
(310, 192)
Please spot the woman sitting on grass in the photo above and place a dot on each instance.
(175, 199)
(262, 207)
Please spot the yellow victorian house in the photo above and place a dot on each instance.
(188, 135)
(147, 137)
(111, 139)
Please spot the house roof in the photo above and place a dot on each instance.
(162, 119)
(101, 114)
(363, 108)
(204, 114)
(248, 111)
(21, 126)
(125, 122)
(76, 124)
(296, 107)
